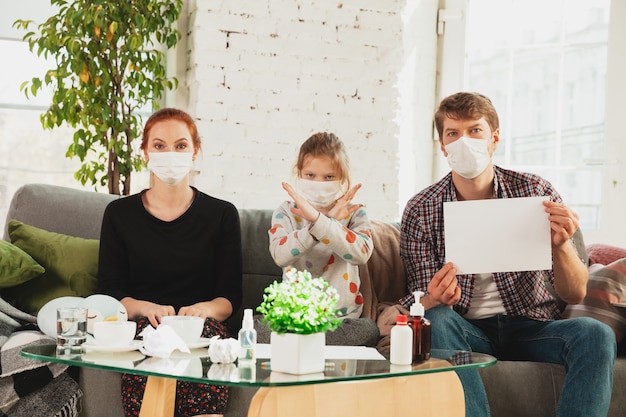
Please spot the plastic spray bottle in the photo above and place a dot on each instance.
(401, 339)
(421, 330)
(247, 337)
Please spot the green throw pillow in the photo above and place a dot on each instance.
(16, 266)
(71, 266)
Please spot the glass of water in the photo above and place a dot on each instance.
(71, 330)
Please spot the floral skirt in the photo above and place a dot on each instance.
(191, 398)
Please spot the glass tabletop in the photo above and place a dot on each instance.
(196, 366)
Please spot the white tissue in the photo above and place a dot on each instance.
(161, 342)
(223, 372)
(165, 365)
(223, 350)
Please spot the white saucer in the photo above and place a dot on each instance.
(202, 342)
(134, 345)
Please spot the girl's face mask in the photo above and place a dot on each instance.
(320, 194)
(170, 167)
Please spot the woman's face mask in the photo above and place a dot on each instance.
(468, 157)
(170, 167)
(320, 194)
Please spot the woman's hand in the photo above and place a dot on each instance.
(219, 309)
(194, 310)
(141, 308)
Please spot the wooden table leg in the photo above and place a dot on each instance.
(427, 395)
(159, 397)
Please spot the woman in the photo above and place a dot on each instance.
(172, 250)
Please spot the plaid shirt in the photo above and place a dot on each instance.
(422, 247)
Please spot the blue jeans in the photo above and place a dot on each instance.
(585, 346)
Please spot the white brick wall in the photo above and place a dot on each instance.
(265, 75)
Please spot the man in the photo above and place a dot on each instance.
(510, 315)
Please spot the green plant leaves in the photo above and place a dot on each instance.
(300, 304)
(107, 68)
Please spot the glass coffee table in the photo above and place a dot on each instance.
(365, 387)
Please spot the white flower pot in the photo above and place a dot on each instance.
(297, 354)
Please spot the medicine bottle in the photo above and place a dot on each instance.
(421, 330)
(401, 350)
(247, 337)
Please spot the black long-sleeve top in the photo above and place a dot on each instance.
(196, 257)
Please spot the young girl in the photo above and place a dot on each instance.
(172, 250)
(323, 232)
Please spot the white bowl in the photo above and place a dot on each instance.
(188, 328)
(114, 333)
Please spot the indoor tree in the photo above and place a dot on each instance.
(109, 63)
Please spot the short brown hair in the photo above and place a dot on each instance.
(169, 113)
(466, 106)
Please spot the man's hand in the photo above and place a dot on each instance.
(570, 274)
(444, 288)
(563, 222)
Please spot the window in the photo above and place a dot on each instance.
(27, 152)
(543, 63)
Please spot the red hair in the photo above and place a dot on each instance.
(169, 113)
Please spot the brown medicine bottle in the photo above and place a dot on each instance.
(421, 330)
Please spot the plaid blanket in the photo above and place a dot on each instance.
(29, 387)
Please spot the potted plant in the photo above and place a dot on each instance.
(108, 66)
(299, 311)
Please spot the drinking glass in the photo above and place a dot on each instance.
(71, 330)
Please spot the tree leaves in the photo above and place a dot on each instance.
(107, 68)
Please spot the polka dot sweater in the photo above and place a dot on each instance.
(329, 248)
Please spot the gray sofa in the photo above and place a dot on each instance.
(523, 389)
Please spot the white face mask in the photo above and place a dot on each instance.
(170, 167)
(468, 157)
(319, 193)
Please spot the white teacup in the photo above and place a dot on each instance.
(114, 333)
(188, 328)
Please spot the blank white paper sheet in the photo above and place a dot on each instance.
(497, 235)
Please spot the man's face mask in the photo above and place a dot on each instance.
(468, 157)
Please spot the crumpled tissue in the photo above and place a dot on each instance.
(223, 350)
(165, 365)
(223, 372)
(161, 342)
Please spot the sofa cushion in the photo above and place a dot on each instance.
(16, 266)
(71, 266)
(607, 285)
(600, 253)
